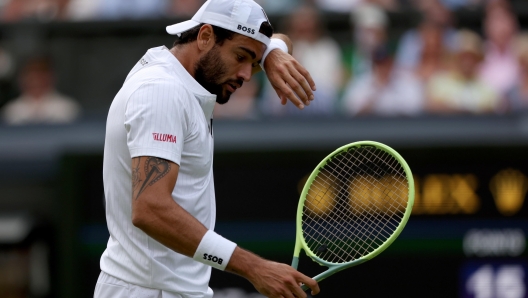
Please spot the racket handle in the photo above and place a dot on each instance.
(295, 262)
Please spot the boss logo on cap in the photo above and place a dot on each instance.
(246, 29)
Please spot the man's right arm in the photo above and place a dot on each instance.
(155, 213)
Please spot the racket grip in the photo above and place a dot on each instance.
(295, 262)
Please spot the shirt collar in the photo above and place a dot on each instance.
(205, 98)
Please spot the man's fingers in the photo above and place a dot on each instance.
(298, 291)
(294, 288)
(288, 294)
(306, 89)
(298, 90)
(303, 80)
(311, 283)
(306, 75)
(295, 81)
(284, 100)
(285, 92)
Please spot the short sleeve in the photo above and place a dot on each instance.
(155, 121)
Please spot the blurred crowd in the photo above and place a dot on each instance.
(77, 10)
(435, 68)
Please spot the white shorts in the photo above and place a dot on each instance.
(111, 287)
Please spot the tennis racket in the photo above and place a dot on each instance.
(353, 206)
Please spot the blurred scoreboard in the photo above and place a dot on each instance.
(466, 236)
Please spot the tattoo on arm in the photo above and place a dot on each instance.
(155, 169)
(136, 174)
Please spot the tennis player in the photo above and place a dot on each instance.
(158, 157)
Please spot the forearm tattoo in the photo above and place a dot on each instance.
(136, 174)
(155, 169)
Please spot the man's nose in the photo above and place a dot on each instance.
(245, 72)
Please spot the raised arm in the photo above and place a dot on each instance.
(288, 77)
(159, 216)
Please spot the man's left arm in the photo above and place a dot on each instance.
(288, 77)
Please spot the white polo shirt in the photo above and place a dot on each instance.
(160, 111)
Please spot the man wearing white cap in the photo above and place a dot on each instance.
(157, 172)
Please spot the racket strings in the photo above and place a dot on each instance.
(368, 233)
(362, 231)
(354, 204)
(341, 192)
(349, 169)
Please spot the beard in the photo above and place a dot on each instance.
(209, 72)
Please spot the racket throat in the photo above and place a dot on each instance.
(334, 269)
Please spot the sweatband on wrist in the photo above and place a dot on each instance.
(274, 44)
(214, 250)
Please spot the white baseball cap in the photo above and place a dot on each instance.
(241, 16)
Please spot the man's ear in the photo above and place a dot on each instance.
(206, 38)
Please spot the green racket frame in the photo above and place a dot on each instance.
(336, 267)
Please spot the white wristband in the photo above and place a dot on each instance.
(214, 250)
(274, 44)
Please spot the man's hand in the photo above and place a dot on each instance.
(280, 280)
(274, 280)
(288, 77)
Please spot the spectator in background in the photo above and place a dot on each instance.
(458, 4)
(434, 56)
(461, 90)
(411, 43)
(370, 32)
(7, 69)
(39, 101)
(338, 5)
(384, 91)
(132, 9)
(83, 10)
(516, 99)
(184, 8)
(41, 10)
(320, 55)
(500, 67)
(388, 5)
(280, 7)
(79, 10)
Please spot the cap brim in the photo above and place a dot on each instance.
(177, 29)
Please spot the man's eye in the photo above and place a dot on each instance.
(240, 58)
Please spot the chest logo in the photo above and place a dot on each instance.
(163, 137)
